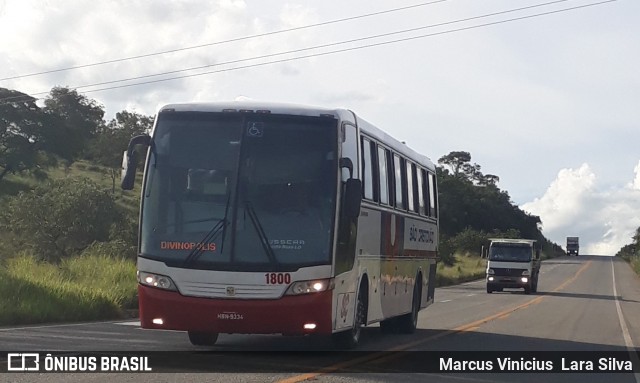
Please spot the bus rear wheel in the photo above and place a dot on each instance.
(408, 323)
(203, 338)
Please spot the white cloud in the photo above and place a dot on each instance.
(636, 181)
(574, 205)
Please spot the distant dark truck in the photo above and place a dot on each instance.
(573, 246)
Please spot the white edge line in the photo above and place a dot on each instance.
(628, 341)
(57, 325)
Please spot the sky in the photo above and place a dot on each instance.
(543, 96)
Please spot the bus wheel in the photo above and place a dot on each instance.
(408, 323)
(203, 338)
(349, 339)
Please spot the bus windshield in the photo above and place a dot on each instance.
(240, 191)
(510, 252)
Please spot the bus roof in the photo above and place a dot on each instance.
(251, 106)
(510, 240)
(255, 106)
(394, 144)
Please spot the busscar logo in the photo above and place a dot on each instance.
(23, 362)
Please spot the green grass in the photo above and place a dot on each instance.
(78, 289)
(635, 264)
(466, 268)
(12, 184)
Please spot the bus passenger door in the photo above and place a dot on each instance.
(346, 276)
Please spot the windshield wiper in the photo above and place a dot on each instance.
(218, 228)
(210, 236)
(263, 236)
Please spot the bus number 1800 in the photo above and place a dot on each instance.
(278, 278)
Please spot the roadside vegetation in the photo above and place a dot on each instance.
(57, 265)
(465, 268)
(68, 233)
(86, 287)
(631, 252)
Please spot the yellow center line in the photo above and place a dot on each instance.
(389, 354)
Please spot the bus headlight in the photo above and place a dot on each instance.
(308, 287)
(156, 280)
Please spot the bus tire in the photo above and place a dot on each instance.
(408, 323)
(198, 338)
(350, 339)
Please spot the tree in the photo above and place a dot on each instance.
(111, 140)
(471, 200)
(76, 120)
(456, 161)
(489, 180)
(22, 133)
(62, 218)
(460, 164)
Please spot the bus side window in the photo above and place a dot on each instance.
(427, 194)
(383, 175)
(410, 189)
(397, 168)
(420, 187)
(433, 196)
(367, 169)
(350, 150)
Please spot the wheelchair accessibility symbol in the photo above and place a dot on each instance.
(255, 129)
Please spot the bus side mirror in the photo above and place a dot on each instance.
(130, 161)
(128, 176)
(346, 162)
(352, 198)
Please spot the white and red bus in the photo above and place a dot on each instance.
(262, 218)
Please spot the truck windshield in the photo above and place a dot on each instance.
(510, 252)
(242, 192)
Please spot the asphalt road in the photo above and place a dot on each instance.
(585, 307)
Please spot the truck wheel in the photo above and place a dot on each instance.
(527, 290)
(203, 338)
(534, 286)
(489, 290)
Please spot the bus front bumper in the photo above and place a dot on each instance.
(289, 315)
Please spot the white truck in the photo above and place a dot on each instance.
(513, 263)
(573, 246)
